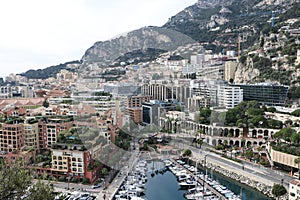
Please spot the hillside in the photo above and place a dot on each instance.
(217, 24)
(105, 53)
(221, 21)
(49, 71)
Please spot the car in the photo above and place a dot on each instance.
(96, 186)
(84, 197)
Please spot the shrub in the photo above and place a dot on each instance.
(62, 178)
(278, 190)
(86, 181)
(74, 180)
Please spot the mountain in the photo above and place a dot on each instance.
(213, 20)
(216, 23)
(105, 52)
(49, 71)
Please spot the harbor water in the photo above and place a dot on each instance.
(163, 185)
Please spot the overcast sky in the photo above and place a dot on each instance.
(39, 33)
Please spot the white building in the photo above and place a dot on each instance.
(198, 59)
(229, 96)
(294, 189)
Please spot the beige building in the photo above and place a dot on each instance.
(31, 134)
(68, 161)
(284, 159)
(194, 103)
(135, 114)
(137, 101)
(230, 68)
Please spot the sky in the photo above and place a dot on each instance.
(36, 34)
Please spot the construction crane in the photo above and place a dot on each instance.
(272, 13)
(238, 40)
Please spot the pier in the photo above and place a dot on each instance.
(213, 190)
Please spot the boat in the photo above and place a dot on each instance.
(183, 177)
(200, 195)
(188, 184)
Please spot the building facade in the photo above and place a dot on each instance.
(12, 138)
(229, 96)
(265, 93)
(230, 68)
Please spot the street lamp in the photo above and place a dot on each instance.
(69, 178)
(205, 171)
(205, 160)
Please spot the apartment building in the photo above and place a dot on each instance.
(160, 90)
(137, 101)
(294, 189)
(72, 163)
(49, 131)
(229, 96)
(135, 114)
(31, 135)
(12, 138)
(230, 68)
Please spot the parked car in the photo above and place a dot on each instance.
(96, 186)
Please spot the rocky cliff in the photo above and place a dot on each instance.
(245, 74)
(105, 52)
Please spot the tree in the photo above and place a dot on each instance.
(204, 117)
(297, 161)
(285, 134)
(200, 142)
(271, 109)
(104, 171)
(46, 103)
(295, 138)
(187, 152)
(41, 191)
(278, 190)
(16, 181)
(249, 154)
(296, 113)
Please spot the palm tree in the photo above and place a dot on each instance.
(200, 142)
(297, 161)
(243, 144)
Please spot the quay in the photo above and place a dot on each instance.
(213, 190)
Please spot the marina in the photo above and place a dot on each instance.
(175, 179)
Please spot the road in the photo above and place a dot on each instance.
(266, 173)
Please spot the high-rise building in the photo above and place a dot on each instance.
(168, 90)
(230, 68)
(265, 93)
(229, 96)
(137, 101)
(154, 109)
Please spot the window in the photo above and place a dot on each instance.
(292, 194)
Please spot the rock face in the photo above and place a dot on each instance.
(213, 3)
(106, 52)
(246, 74)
